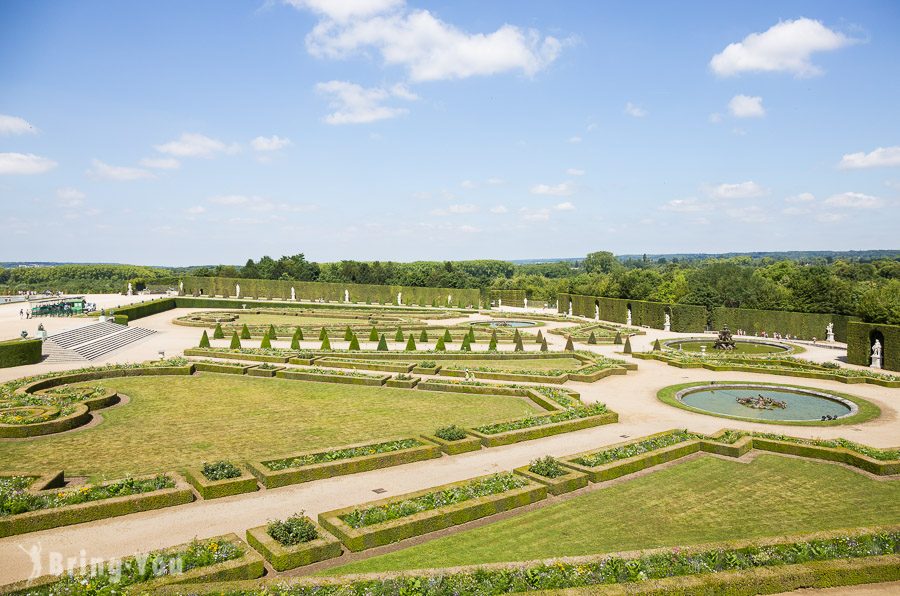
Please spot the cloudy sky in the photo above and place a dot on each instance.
(172, 132)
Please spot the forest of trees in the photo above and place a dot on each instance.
(867, 287)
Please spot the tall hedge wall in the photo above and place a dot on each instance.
(859, 344)
(802, 324)
(509, 297)
(308, 290)
(684, 317)
(16, 352)
(144, 309)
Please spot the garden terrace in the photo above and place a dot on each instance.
(604, 333)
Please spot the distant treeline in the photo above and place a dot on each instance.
(866, 285)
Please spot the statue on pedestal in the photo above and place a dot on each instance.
(876, 354)
(829, 332)
(399, 298)
(667, 324)
(181, 287)
(293, 294)
(526, 303)
(724, 341)
(237, 290)
(628, 317)
(130, 291)
(596, 312)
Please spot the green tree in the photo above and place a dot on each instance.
(204, 340)
(382, 344)
(235, 341)
(466, 344)
(354, 343)
(272, 334)
(326, 343)
(423, 337)
(617, 340)
(295, 341)
(440, 346)
(657, 346)
(298, 333)
(348, 333)
(411, 343)
(492, 345)
(471, 335)
(447, 337)
(881, 304)
(373, 334)
(601, 262)
(323, 334)
(218, 333)
(245, 332)
(399, 335)
(266, 343)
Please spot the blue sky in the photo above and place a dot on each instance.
(202, 132)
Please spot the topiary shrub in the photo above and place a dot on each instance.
(326, 343)
(354, 343)
(492, 345)
(299, 333)
(440, 346)
(447, 337)
(544, 347)
(548, 467)
(423, 337)
(382, 344)
(295, 340)
(245, 332)
(411, 343)
(296, 529)
(348, 333)
(517, 337)
(592, 339)
(272, 334)
(519, 347)
(218, 333)
(657, 346)
(266, 343)
(235, 341)
(323, 334)
(204, 340)
(570, 345)
(373, 334)
(220, 470)
(399, 335)
(450, 433)
(540, 337)
(618, 339)
(466, 344)
(471, 335)
(627, 348)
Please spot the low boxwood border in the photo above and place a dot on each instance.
(256, 371)
(403, 383)
(559, 485)
(357, 539)
(215, 489)
(464, 445)
(79, 417)
(283, 557)
(545, 430)
(44, 519)
(372, 380)
(275, 478)
(867, 410)
(224, 368)
(400, 367)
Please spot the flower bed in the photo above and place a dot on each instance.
(220, 479)
(315, 465)
(264, 370)
(557, 478)
(403, 381)
(219, 367)
(397, 518)
(334, 376)
(380, 365)
(533, 427)
(22, 510)
(317, 545)
(275, 355)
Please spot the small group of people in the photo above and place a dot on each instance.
(470, 376)
(765, 334)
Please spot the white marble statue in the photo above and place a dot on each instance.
(181, 287)
(449, 299)
(596, 312)
(667, 324)
(628, 317)
(526, 303)
(399, 298)
(130, 290)
(237, 290)
(876, 354)
(293, 294)
(346, 295)
(499, 302)
(829, 332)
(570, 309)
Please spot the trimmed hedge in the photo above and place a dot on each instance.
(372, 380)
(44, 519)
(684, 317)
(223, 368)
(19, 352)
(335, 362)
(256, 371)
(275, 478)
(859, 345)
(143, 309)
(357, 539)
(283, 557)
(802, 324)
(79, 417)
(545, 430)
(509, 297)
(559, 485)
(307, 290)
(215, 489)
(465, 445)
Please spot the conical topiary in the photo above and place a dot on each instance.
(592, 339)
(517, 337)
(570, 345)
(204, 340)
(657, 346)
(492, 345)
(618, 339)
(235, 341)
(218, 333)
(266, 343)
(519, 347)
(471, 335)
(382, 344)
(323, 334)
(440, 346)
(373, 334)
(299, 333)
(411, 343)
(423, 337)
(540, 337)
(466, 344)
(627, 348)
(354, 343)
(326, 343)
(447, 337)
(348, 333)
(399, 335)
(544, 347)
(272, 334)
(295, 341)
(245, 332)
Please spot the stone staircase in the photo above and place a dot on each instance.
(91, 342)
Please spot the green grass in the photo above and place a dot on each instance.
(867, 410)
(174, 422)
(703, 500)
(561, 363)
(740, 347)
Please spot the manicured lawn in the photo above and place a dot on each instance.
(703, 500)
(561, 363)
(295, 320)
(172, 422)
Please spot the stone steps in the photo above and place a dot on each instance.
(91, 342)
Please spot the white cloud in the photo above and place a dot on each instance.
(745, 106)
(751, 214)
(575, 139)
(429, 48)
(24, 163)
(13, 125)
(161, 163)
(354, 104)
(803, 197)
(881, 157)
(499, 209)
(741, 190)
(345, 10)
(854, 200)
(196, 145)
(566, 206)
(70, 197)
(690, 205)
(575, 172)
(273, 143)
(635, 111)
(259, 204)
(104, 171)
(785, 47)
(563, 189)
